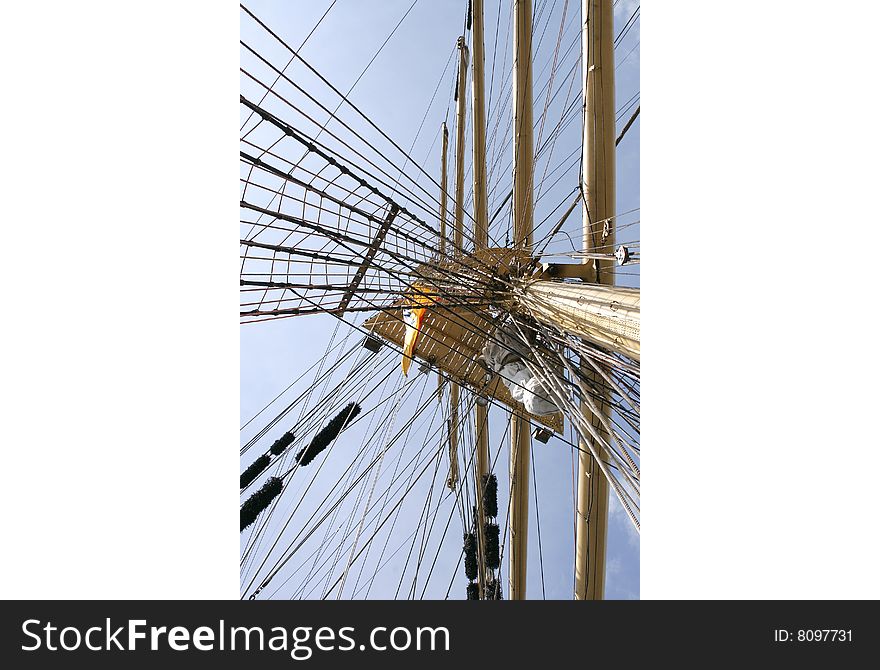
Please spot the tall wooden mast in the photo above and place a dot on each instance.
(444, 151)
(608, 316)
(481, 241)
(597, 42)
(460, 127)
(452, 480)
(523, 174)
(458, 228)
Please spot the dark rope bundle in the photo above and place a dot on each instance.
(259, 501)
(493, 590)
(473, 591)
(493, 558)
(253, 471)
(490, 495)
(281, 443)
(470, 556)
(328, 433)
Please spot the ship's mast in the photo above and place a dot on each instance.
(458, 224)
(460, 127)
(481, 241)
(452, 480)
(523, 174)
(445, 148)
(597, 43)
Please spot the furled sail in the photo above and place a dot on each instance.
(504, 354)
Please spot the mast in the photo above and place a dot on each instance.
(460, 127)
(452, 480)
(444, 150)
(481, 214)
(523, 157)
(458, 228)
(481, 241)
(608, 316)
(597, 43)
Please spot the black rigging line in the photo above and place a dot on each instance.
(332, 586)
(344, 97)
(393, 523)
(291, 550)
(627, 26)
(346, 476)
(316, 148)
(384, 496)
(627, 126)
(295, 402)
(302, 44)
(538, 519)
(284, 127)
(423, 526)
(302, 431)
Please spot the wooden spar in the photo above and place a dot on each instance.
(452, 480)
(523, 172)
(607, 316)
(443, 153)
(453, 429)
(481, 242)
(368, 257)
(458, 224)
(460, 127)
(481, 209)
(523, 154)
(597, 44)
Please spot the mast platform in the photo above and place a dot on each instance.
(452, 337)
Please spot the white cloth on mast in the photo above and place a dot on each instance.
(504, 354)
(503, 347)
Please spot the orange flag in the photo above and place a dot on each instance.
(412, 317)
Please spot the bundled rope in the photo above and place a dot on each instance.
(328, 433)
(470, 556)
(493, 556)
(256, 468)
(493, 590)
(490, 495)
(259, 501)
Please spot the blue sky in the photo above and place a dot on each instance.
(395, 92)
